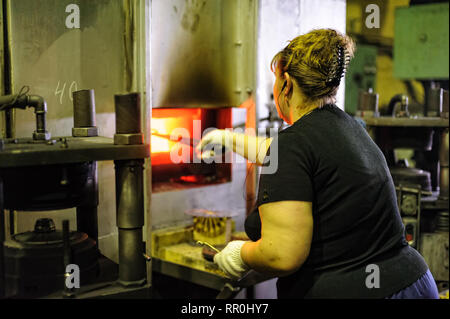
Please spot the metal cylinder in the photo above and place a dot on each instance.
(434, 102)
(84, 114)
(444, 111)
(41, 122)
(2, 241)
(87, 215)
(131, 257)
(443, 152)
(130, 219)
(444, 166)
(128, 113)
(368, 103)
(129, 193)
(84, 108)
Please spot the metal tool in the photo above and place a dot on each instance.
(185, 140)
(202, 243)
(192, 142)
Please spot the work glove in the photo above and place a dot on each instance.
(229, 260)
(214, 140)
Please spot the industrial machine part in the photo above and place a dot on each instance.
(62, 173)
(422, 194)
(398, 106)
(22, 101)
(411, 231)
(434, 248)
(84, 123)
(444, 169)
(367, 104)
(408, 176)
(2, 242)
(130, 200)
(444, 111)
(434, 103)
(35, 261)
(409, 202)
(211, 226)
(128, 119)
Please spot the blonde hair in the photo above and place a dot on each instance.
(317, 61)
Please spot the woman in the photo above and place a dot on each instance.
(330, 225)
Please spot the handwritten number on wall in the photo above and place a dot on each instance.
(61, 89)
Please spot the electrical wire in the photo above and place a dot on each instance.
(23, 91)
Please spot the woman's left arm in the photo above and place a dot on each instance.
(286, 235)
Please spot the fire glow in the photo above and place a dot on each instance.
(166, 122)
(174, 134)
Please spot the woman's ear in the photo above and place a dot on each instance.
(288, 84)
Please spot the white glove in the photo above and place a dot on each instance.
(214, 140)
(229, 259)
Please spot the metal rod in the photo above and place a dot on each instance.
(130, 220)
(87, 215)
(2, 242)
(130, 193)
(203, 243)
(68, 292)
